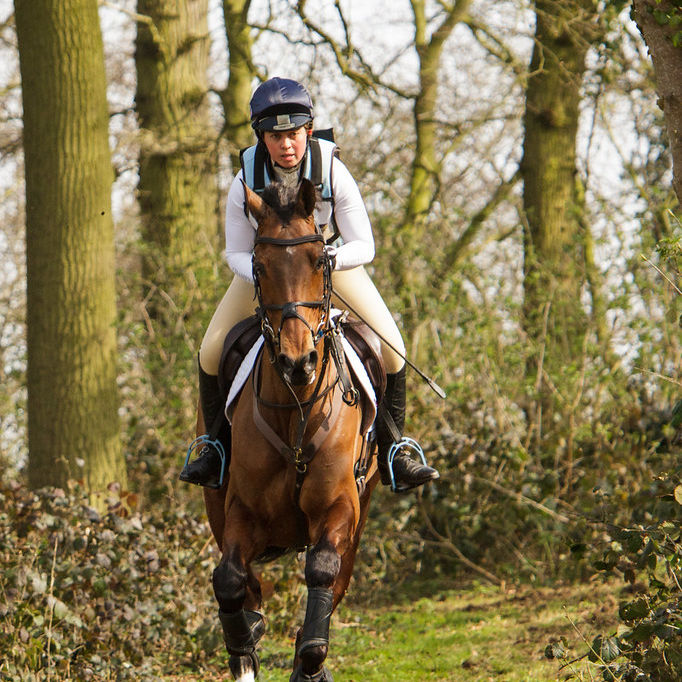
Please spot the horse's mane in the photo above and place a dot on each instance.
(282, 199)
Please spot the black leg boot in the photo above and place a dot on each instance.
(205, 469)
(407, 473)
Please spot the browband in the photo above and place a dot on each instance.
(317, 237)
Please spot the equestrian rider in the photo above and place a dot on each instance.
(282, 115)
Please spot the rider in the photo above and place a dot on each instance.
(282, 116)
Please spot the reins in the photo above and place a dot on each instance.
(298, 454)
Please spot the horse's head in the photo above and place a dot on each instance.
(292, 276)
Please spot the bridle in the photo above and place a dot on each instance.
(326, 329)
(289, 310)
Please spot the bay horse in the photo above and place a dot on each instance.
(295, 443)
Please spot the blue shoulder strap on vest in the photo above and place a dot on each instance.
(319, 166)
(254, 167)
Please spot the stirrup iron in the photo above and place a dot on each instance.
(403, 443)
(206, 440)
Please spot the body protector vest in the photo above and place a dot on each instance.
(316, 166)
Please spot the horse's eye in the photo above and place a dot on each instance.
(258, 269)
(319, 264)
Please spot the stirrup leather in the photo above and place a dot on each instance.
(407, 444)
(206, 440)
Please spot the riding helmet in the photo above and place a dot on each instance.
(280, 104)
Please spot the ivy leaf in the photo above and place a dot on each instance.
(555, 650)
(610, 649)
(634, 610)
(665, 631)
(634, 542)
(641, 633)
(604, 649)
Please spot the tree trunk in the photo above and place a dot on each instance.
(426, 166)
(554, 269)
(659, 24)
(177, 187)
(177, 194)
(237, 95)
(73, 400)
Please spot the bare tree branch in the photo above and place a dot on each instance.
(447, 543)
(457, 249)
(365, 76)
(495, 47)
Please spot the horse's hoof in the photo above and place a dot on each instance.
(245, 668)
(322, 675)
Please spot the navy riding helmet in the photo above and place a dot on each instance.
(280, 104)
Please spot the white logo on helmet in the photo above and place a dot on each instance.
(283, 122)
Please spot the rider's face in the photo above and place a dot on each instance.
(286, 149)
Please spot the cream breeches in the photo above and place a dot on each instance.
(354, 285)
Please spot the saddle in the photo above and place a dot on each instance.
(363, 340)
(368, 348)
(238, 343)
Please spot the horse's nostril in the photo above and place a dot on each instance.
(286, 363)
(299, 371)
(310, 361)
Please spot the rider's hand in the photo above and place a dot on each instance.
(330, 252)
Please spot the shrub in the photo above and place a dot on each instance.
(85, 595)
(647, 645)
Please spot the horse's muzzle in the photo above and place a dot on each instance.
(299, 372)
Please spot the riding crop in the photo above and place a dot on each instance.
(434, 386)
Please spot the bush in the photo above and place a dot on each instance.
(85, 595)
(647, 646)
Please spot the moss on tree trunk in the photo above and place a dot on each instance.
(177, 187)
(659, 23)
(72, 393)
(237, 95)
(554, 265)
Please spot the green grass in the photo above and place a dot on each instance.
(472, 635)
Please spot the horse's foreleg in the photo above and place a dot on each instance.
(323, 563)
(348, 558)
(214, 501)
(233, 584)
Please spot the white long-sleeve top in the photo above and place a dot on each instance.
(349, 212)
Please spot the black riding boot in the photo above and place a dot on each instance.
(407, 473)
(205, 469)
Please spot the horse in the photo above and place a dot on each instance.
(296, 440)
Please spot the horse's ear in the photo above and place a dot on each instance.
(307, 197)
(253, 203)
